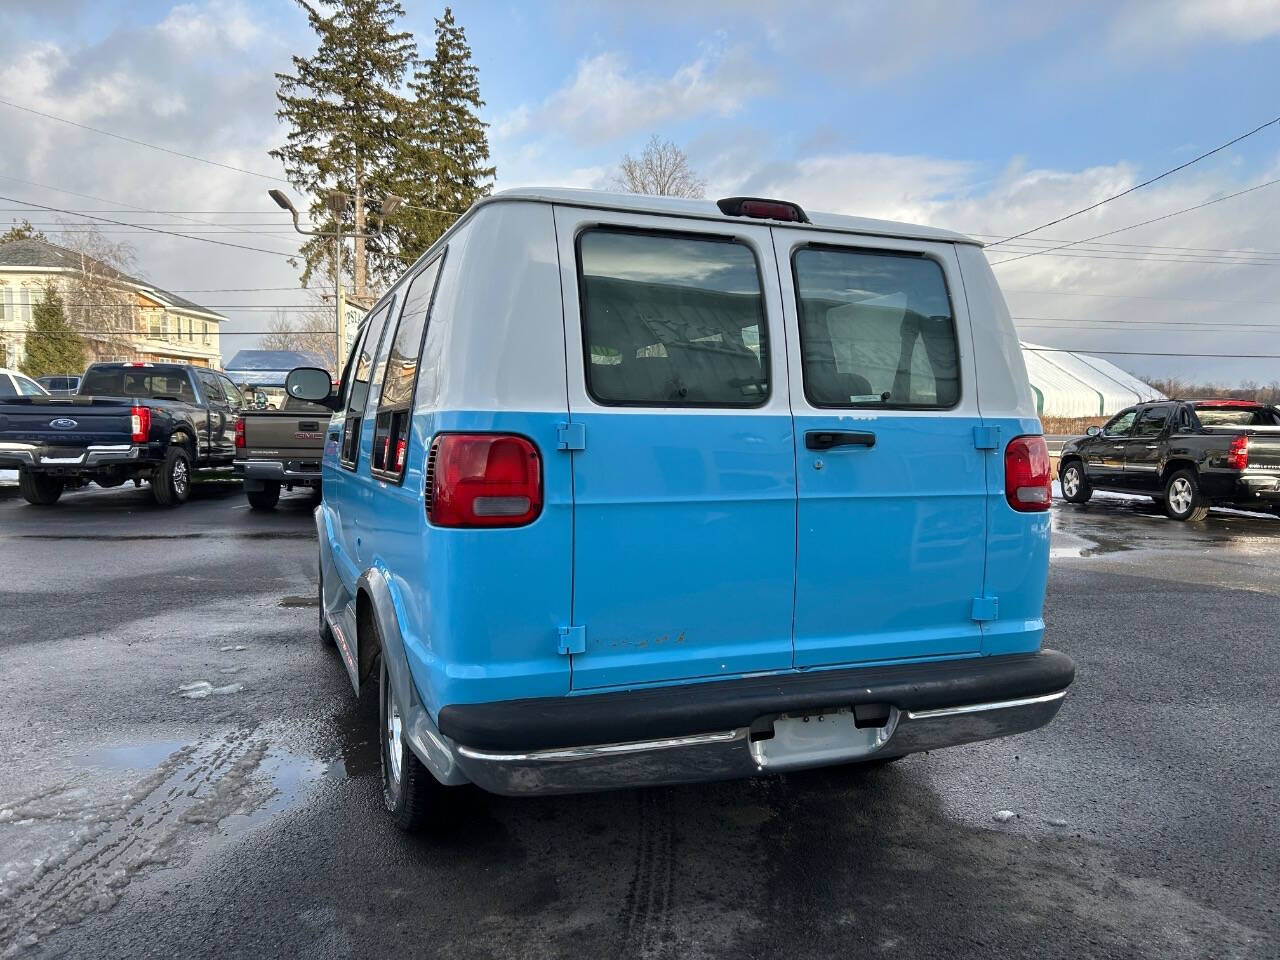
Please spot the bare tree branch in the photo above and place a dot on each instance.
(661, 170)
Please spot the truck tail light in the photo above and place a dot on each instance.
(483, 480)
(240, 433)
(1027, 481)
(140, 424)
(1238, 452)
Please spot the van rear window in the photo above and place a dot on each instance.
(875, 329)
(672, 320)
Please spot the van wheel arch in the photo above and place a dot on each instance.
(368, 638)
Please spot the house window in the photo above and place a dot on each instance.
(24, 303)
(207, 338)
(6, 305)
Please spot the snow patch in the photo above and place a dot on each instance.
(201, 689)
(1003, 816)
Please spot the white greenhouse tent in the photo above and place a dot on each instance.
(1070, 384)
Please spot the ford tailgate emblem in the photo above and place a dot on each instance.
(64, 423)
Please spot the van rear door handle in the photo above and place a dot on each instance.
(826, 439)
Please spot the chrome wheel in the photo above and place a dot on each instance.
(394, 729)
(1071, 482)
(180, 477)
(1181, 495)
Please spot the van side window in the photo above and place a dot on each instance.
(876, 329)
(391, 430)
(358, 391)
(672, 320)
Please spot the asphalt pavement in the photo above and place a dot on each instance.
(183, 772)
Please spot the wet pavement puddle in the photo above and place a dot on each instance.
(70, 850)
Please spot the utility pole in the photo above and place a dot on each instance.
(336, 201)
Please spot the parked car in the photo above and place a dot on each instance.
(143, 421)
(1189, 455)
(15, 384)
(279, 449)
(623, 490)
(61, 385)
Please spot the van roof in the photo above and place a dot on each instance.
(707, 210)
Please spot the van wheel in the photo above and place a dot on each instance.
(39, 489)
(1182, 497)
(266, 498)
(407, 786)
(1075, 485)
(173, 484)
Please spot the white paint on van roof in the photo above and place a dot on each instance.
(707, 210)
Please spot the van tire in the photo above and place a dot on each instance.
(1182, 497)
(1080, 491)
(407, 787)
(266, 498)
(173, 484)
(38, 489)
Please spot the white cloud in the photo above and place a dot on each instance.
(200, 29)
(605, 99)
(1152, 25)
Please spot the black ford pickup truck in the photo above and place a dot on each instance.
(1189, 455)
(129, 421)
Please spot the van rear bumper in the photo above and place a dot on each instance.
(737, 728)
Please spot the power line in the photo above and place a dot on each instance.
(1143, 246)
(1148, 353)
(141, 143)
(169, 233)
(1134, 226)
(1144, 183)
(1132, 296)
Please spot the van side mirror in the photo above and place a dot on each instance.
(1093, 431)
(311, 383)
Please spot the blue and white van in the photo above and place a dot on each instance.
(627, 490)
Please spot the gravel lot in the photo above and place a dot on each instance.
(183, 772)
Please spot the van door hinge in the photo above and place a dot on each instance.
(571, 436)
(573, 640)
(985, 609)
(986, 438)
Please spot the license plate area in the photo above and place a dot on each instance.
(818, 738)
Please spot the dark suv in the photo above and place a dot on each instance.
(1189, 455)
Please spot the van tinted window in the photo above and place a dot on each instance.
(875, 329)
(358, 388)
(402, 364)
(672, 320)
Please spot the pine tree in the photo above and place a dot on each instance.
(344, 108)
(444, 139)
(53, 346)
(22, 231)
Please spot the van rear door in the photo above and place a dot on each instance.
(683, 456)
(890, 448)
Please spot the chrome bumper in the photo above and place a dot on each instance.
(726, 754)
(272, 470)
(31, 455)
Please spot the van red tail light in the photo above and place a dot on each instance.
(1027, 480)
(483, 480)
(140, 424)
(402, 447)
(1238, 452)
(239, 432)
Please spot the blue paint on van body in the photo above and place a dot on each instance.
(693, 544)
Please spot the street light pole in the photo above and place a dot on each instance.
(336, 201)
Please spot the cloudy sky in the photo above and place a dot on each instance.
(984, 116)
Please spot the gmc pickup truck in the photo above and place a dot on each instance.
(280, 448)
(1189, 455)
(129, 421)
